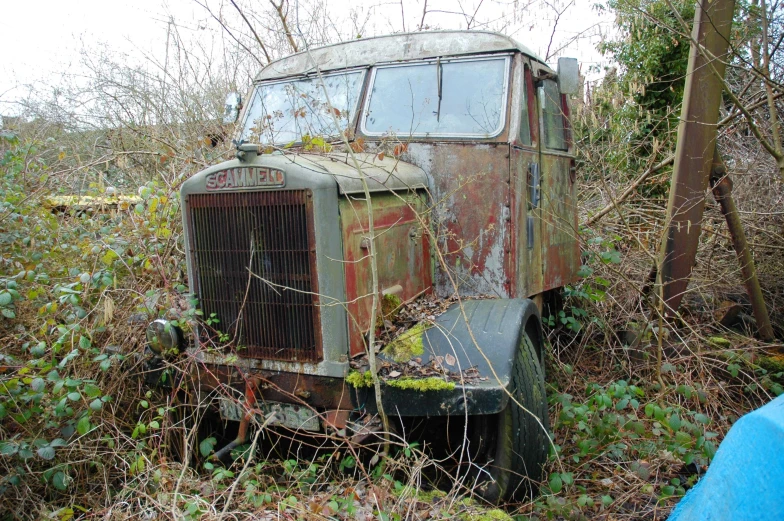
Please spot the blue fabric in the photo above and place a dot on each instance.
(745, 481)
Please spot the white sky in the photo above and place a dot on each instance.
(40, 41)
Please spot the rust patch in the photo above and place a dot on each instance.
(525, 263)
(336, 419)
(471, 192)
(314, 391)
(560, 246)
(403, 256)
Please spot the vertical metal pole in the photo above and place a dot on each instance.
(695, 147)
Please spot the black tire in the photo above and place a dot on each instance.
(516, 442)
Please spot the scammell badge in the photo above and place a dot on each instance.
(246, 178)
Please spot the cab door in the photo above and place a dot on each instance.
(558, 206)
(525, 165)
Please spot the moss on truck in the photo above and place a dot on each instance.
(408, 345)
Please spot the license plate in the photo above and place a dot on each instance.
(292, 416)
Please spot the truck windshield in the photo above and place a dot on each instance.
(458, 98)
(283, 112)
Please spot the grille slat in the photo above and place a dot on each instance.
(272, 234)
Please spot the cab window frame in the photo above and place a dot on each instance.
(504, 98)
(529, 122)
(555, 135)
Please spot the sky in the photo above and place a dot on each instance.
(41, 45)
(47, 48)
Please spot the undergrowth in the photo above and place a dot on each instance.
(628, 443)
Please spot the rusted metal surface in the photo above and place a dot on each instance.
(531, 104)
(560, 244)
(472, 213)
(242, 434)
(403, 256)
(722, 191)
(336, 419)
(525, 263)
(255, 263)
(483, 215)
(381, 175)
(545, 236)
(321, 393)
(475, 196)
(396, 47)
(695, 147)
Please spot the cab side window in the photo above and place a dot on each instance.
(527, 108)
(553, 117)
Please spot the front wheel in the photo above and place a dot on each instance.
(515, 441)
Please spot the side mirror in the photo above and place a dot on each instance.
(568, 76)
(231, 110)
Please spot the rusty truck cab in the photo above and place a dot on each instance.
(463, 143)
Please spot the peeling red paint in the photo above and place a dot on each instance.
(403, 256)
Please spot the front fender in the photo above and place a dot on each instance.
(485, 338)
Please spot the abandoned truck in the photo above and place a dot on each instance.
(463, 143)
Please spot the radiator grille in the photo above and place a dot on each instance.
(270, 311)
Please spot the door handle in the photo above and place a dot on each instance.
(534, 182)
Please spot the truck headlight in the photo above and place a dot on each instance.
(163, 336)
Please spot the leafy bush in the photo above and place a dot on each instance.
(68, 285)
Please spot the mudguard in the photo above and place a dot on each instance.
(496, 324)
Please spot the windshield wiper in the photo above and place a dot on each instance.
(439, 73)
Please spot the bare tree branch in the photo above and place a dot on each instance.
(252, 30)
(772, 110)
(228, 31)
(558, 15)
(632, 188)
(422, 21)
(282, 16)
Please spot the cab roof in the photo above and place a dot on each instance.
(392, 48)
